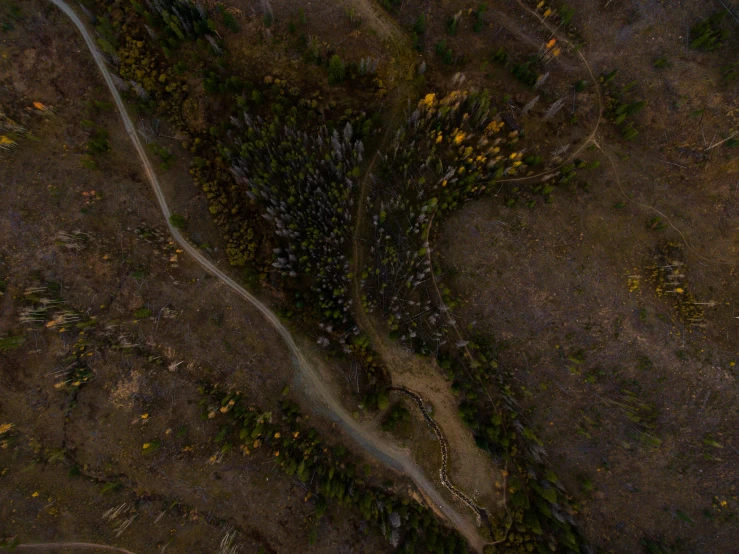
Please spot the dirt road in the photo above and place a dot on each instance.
(70, 545)
(367, 439)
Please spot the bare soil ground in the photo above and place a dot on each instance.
(637, 406)
(145, 368)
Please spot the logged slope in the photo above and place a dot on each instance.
(385, 453)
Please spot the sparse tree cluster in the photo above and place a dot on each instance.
(445, 154)
(620, 104)
(330, 473)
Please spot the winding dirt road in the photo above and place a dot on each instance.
(367, 439)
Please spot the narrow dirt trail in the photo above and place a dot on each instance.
(72, 545)
(387, 454)
(370, 10)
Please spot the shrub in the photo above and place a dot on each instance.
(142, 313)
(99, 144)
(500, 55)
(729, 73)
(382, 401)
(353, 17)
(629, 132)
(565, 14)
(336, 70)
(619, 109)
(477, 14)
(608, 77)
(656, 224)
(523, 73)
(420, 25)
(89, 163)
(661, 62)
(165, 155)
(391, 5)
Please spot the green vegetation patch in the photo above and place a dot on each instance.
(709, 34)
(11, 342)
(142, 313)
(397, 415)
(667, 272)
(178, 221)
